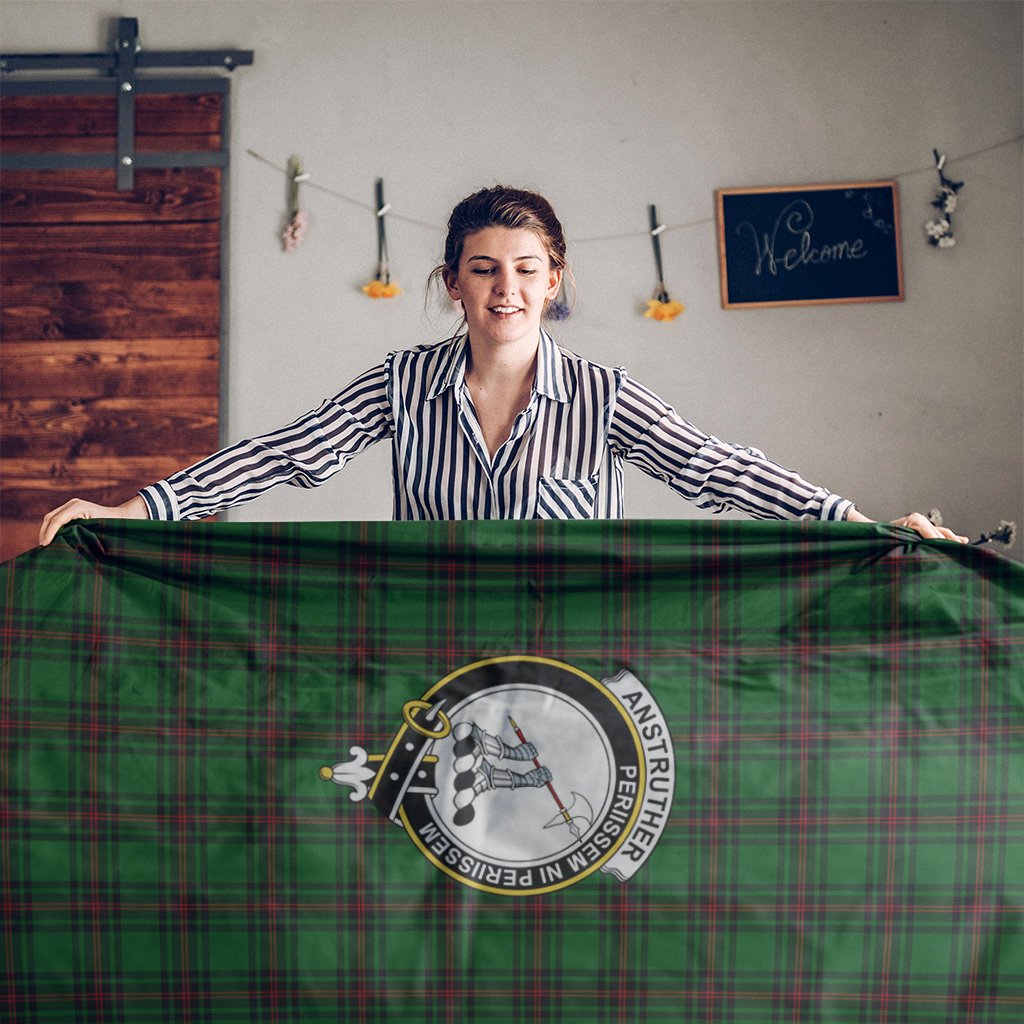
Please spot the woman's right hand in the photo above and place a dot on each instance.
(76, 508)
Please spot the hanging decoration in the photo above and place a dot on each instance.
(940, 232)
(1004, 533)
(298, 218)
(697, 222)
(661, 307)
(381, 286)
(558, 308)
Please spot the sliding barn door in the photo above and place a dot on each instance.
(111, 303)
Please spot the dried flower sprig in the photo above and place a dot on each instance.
(940, 231)
(292, 236)
(558, 308)
(1004, 533)
(298, 218)
(381, 287)
(661, 307)
(664, 311)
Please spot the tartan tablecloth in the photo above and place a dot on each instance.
(511, 772)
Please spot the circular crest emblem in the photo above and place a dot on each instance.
(523, 775)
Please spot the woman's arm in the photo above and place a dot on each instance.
(76, 508)
(712, 473)
(305, 453)
(717, 475)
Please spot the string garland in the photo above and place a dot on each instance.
(311, 183)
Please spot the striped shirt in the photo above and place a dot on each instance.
(562, 460)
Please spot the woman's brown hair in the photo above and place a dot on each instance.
(501, 207)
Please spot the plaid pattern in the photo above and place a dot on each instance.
(845, 843)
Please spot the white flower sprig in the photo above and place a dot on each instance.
(1004, 533)
(940, 231)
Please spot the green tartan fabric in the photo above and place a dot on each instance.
(843, 841)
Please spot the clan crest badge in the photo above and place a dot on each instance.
(524, 775)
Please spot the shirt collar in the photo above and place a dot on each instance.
(451, 370)
(550, 379)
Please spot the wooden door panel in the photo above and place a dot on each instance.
(47, 118)
(85, 196)
(111, 369)
(70, 428)
(87, 310)
(110, 308)
(102, 143)
(30, 483)
(110, 252)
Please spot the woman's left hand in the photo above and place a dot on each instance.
(917, 522)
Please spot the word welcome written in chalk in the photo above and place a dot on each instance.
(797, 219)
(813, 244)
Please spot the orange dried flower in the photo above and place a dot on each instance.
(380, 290)
(664, 311)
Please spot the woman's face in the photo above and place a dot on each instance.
(505, 277)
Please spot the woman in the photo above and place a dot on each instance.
(497, 422)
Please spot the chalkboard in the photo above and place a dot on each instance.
(812, 244)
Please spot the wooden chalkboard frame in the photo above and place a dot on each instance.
(739, 294)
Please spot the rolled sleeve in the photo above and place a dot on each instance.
(161, 502)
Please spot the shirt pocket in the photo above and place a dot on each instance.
(563, 498)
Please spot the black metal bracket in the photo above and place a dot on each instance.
(128, 47)
(123, 64)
